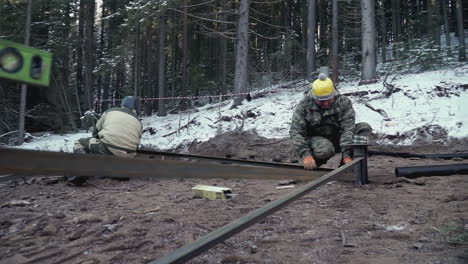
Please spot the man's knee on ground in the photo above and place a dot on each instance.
(324, 150)
(96, 146)
(79, 148)
(81, 145)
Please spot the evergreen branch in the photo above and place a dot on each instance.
(265, 37)
(268, 2)
(258, 12)
(204, 3)
(110, 16)
(8, 133)
(268, 24)
(212, 31)
(202, 18)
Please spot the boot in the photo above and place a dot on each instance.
(77, 180)
(79, 151)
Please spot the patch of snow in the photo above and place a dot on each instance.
(429, 99)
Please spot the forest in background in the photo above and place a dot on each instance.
(106, 49)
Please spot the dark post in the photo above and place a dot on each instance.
(360, 144)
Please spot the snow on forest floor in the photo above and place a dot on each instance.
(428, 106)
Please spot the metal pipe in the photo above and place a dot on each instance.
(414, 155)
(426, 171)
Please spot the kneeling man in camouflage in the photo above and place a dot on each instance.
(323, 124)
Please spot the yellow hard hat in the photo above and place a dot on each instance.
(322, 88)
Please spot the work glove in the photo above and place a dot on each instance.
(309, 163)
(347, 160)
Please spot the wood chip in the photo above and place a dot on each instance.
(285, 186)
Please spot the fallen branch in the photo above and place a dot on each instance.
(8, 133)
(380, 111)
(389, 87)
(182, 127)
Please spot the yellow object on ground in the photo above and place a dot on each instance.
(212, 192)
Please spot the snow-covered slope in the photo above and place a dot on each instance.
(436, 98)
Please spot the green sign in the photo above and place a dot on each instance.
(24, 64)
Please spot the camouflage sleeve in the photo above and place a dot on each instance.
(298, 130)
(100, 122)
(347, 120)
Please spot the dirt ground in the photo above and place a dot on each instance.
(391, 220)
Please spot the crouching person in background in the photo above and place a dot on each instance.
(118, 131)
(323, 124)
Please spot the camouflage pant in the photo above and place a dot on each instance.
(323, 149)
(91, 145)
(89, 119)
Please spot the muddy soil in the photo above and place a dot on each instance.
(391, 220)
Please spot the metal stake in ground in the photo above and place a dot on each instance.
(359, 146)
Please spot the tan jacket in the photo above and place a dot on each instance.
(120, 130)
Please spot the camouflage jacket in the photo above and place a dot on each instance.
(335, 123)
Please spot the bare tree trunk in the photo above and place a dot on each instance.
(461, 34)
(173, 61)
(447, 28)
(311, 30)
(434, 21)
(398, 18)
(79, 52)
(368, 73)
(65, 72)
(101, 76)
(395, 33)
(223, 89)
(417, 30)
(136, 71)
(395, 11)
(1, 20)
(162, 66)
(109, 51)
(304, 27)
(384, 31)
(145, 57)
(242, 53)
(88, 58)
(334, 53)
(183, 104)
(322, 38)
(24, 87)
(153, 67)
